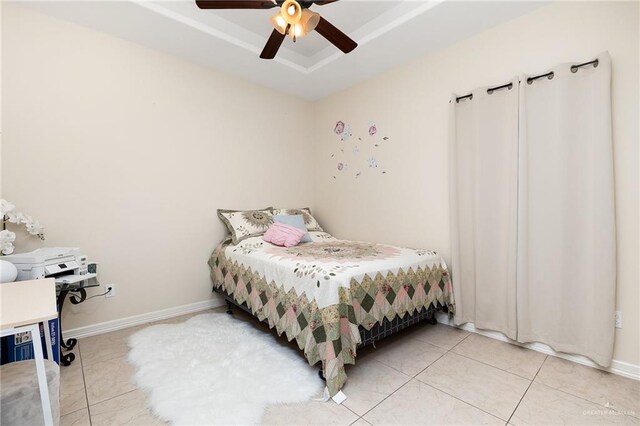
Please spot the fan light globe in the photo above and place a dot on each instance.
(279, 23)
(297, 31)
(309, 20)
(291, 12)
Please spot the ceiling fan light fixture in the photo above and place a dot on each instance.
(294, 19)
(279, 23)
(309, 20)
(291, 12)
(297, 31)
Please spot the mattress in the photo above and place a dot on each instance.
(318, 293)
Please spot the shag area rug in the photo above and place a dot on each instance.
(215, 369)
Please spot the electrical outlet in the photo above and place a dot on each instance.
(111, 290)
(618, 319)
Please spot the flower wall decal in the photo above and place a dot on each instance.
(369, 143)
(346, 134)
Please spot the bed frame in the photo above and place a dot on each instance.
(367, 337)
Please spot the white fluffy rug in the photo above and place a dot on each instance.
(215, 369)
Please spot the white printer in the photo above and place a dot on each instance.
(65, 264)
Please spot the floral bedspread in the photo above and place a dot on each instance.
(318, 293)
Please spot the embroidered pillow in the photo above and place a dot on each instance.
(310, 221)
(243, 224)
(294, 220)
(282, 234)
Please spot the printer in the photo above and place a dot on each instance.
(66, 264)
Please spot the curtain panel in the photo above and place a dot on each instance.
(483, 199)
(533, 247)
(566, 220)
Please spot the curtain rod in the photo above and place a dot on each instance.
(490, 90)
(549, 75)
(504, 86)
(574, 69)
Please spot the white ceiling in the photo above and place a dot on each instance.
(350, 15)
(388, 33)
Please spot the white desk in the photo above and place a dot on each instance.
(23, 305)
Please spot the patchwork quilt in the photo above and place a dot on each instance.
(319, 293)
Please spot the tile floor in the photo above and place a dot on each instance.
(425, 375)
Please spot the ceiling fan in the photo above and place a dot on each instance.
(294, 20)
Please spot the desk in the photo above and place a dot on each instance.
(23, 305)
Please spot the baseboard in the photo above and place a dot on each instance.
(107, 326)
(620, 368)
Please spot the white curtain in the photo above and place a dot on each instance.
(483, 202)
(533, 249)
(566, 221)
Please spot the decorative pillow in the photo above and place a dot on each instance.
(310, 221)
(282, 234)
(243, 224)
(294, 220)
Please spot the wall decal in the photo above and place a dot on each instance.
(372, 129)
(346, 134)
(365, 143)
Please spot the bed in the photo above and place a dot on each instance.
(332, 295)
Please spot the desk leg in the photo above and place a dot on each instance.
(42, 375)
(47, 340)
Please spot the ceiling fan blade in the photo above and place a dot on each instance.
(335, 36)
(235, 4)
(323, 2)
(272, 46)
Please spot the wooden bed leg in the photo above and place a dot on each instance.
(229, 310)
(433, 320)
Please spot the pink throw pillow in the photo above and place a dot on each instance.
(282, 234)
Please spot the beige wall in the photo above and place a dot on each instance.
(128, 152)
(409, 204)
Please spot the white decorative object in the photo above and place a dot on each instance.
(6, 241)
(8, 272)
(216, 369)
(9, 215)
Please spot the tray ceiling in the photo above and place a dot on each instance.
(388, 33)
